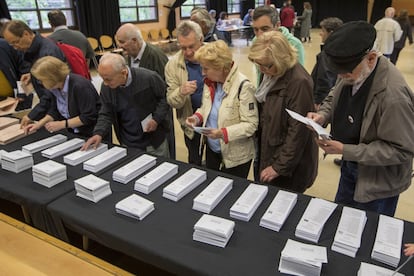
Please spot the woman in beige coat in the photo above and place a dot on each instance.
(228, 111)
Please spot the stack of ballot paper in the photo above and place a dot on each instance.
(16, 161)
(8, 121)
(11, 133)
(369, 270)
(105, 159)
(387, 245)
(49, 173)
(155, 178)
(302, 259)
(184, 184)
(213, 230)
(248, 202)
(208, 199)
(349, 232)
(135, 206)
(1, 153)
(316, 214)
(77, 157)
(134, 168)
(278, 211)
(44, 143)
(63, 148)
(92, 188)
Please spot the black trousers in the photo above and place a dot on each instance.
(214, 161)
(193, 147)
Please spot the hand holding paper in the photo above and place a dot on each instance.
(311, 123)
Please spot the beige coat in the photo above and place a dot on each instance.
(238, 118)
(176, 75)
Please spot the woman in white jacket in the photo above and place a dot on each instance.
(228, 111)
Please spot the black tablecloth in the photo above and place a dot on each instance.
(164, 238)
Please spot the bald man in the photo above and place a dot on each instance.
(388, 32)
(133, 100)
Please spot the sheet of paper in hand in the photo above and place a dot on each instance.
(309, 122)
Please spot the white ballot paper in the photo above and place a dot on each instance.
(144, 122)
(309, 122)
(77, 157)
(313, 220)
(387, 245)
(44, 143)
(49, 173)
(201, 129)
(134, 168)
(208, 199)
(349, 232)
(155, 178)
(302, 259)
(92, 188)
(213, 230)
(105, 159)
(369, 270)
(16, 161)
(278, 211)
(134, 206)
(63, 148)
(184, 184)
(248, 202)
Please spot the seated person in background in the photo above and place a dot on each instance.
(248, 18)
(323, 79)
(288, 153)
(213, 14)
(222, 23)
(33, 46)
(133, 101)
(62, 33)
(208, 26)
(75, 104)
(229, 109)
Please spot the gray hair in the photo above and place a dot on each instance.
(187, 26)
(131, 31)
(266, 11)
(202, 15)
(331, 23)
(115, 60)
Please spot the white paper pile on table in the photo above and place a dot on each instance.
(77, 157)
(213, 230)
(44, 143)
(49, 173)
(387, 245)
(349, 232)
(63, 148)
(313, 220)
(92, 188)
(155, 178)
(16, 161)
(369, 270)
(1, 153)
(134, 168)
(208, 199)
(104, 159)
(135, 206)
(278, 211)
(8, 121)
(184, 184)
(302, 259)
(248, 202)
(11, 134)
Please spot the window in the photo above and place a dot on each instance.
(138, 10)
(259, 3)
(233, 6)
(34, 12)
(188, 5)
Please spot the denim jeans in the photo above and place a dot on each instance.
(346, 190)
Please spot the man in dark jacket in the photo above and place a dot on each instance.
(133, 100)
(19, 35)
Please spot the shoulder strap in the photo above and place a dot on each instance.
(241, 87)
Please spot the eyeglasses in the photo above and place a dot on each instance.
(265, 66)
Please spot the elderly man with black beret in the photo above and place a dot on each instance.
(371, 112)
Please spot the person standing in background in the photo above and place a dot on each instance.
(306, 22)
(407, 32)
(287, 15)
(388, 32)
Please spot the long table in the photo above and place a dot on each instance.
(164, 238)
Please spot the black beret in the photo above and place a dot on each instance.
(348, 44)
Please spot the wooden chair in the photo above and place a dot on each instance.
(144, 35)
(155, 36)
(97, 49)
(107, 42)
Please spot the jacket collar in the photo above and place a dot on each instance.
(212, 85)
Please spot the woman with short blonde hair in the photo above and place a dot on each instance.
(228, 111)
(288, 154)
(75, 101)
